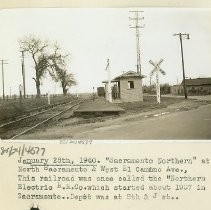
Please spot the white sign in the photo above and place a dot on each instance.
(157, 69)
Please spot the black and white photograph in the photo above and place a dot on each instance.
(105, 73)
(105, 105)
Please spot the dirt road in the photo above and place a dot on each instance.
(193, 124)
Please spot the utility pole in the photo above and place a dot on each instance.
(150, 83)
(137, 26)
(23, 75)
(2, 68)
(187, 36)
(49, 97)
(10, 92)
(109, 81)
(20, 92)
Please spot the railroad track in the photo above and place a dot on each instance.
(30, 113)
(25, 124)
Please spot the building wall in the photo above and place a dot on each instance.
(191, 90)
(129, 95)
(177, 90)
(199, 90)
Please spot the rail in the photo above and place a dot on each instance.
(33, 116)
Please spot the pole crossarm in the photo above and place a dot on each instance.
(136, 26)
(184, 35)
(3, 61)
(136, 11)
(136, 18)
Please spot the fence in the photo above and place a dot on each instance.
(32, 96)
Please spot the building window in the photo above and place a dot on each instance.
(131, 84)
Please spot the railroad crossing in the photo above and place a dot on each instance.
(156, 70)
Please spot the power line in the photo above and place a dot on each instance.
(137, 19)
(187, 36)
(2, 68)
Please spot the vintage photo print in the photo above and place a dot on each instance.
(105, 73)
(120, 101)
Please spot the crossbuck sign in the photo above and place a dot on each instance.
(156, 70)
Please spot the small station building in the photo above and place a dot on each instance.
(126, 87)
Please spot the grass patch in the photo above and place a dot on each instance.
(12, 108)
(149, 103)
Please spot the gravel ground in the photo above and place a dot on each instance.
(69, 127)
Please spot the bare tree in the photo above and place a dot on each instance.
(58, 69)
(36, 48)
(66, 79)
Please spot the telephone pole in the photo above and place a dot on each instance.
(23, 74)
(150, 83)
(137, 26)
(2, 68)
(109, 81)
(187, 36)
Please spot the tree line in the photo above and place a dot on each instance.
(48, 58)
(151, 89)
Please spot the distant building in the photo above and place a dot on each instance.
(101, 91)
(199, 86)
(127, 87)
(177, 90)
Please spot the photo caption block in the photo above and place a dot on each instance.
(134, 176)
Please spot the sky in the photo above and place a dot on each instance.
(91, 36)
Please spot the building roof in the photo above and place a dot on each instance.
(198, 81)
(128, 74)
